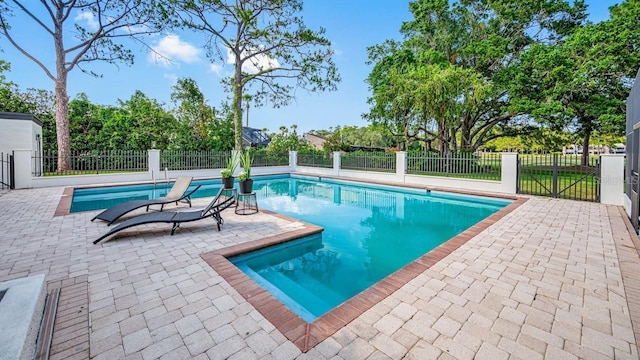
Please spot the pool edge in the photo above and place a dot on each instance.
(307, 335)
(64, 205)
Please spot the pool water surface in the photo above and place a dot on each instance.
(368, 234)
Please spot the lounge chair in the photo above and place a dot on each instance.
(224, 199)
(177, 193)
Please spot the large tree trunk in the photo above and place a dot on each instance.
(62, 124)
(62, 101)
(585, 147)
(465, 132)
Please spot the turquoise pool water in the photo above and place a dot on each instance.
(369, 232)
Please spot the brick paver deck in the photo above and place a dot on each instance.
(552, 279)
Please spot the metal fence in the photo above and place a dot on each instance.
(318, 159)
(370, 161)
(193, 160)
(7, 179)
(483, 166)
(91, 162)
(559, 176)
(270, 159)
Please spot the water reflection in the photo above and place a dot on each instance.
(369, 233)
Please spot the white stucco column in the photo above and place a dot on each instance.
(336, 163)
(22, 169)
(509, 173)
(293, 160)
(401, 165)
(611, 179)
(154, 163)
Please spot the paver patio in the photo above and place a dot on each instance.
(553, 279)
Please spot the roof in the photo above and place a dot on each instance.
(255, 136)
(20, 116)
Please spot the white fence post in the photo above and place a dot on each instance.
(509, 173)
(611, 179)
(401, 165)
(22, 169)
(293, 160)
(154, 163)
(336, 163)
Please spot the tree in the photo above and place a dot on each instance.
(288, 141)
(199, 127)
(138, 123)
(468, 39)
(108, 23)
(583, 82)
(272, 50)
(85, 123)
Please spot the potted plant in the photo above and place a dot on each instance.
(246, 183)
(227, 173)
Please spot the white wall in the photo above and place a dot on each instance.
(15, 134)
(612, 179)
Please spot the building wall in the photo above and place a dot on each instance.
(19, 132)
(633, 144)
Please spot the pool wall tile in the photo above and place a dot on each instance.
(307, 335)
(64, 206)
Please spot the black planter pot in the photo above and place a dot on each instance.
(246, 186)
(227, 182)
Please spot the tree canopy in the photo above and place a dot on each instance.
(451, 79)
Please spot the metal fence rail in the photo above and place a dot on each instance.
(370, 161)
(482, 166)
(270, 159)
(318, 159)
(193, 160)
(92, 162)
(559, 176)
(7, 179)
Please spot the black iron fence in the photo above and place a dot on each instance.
(193, 160)
(369, 161)
(559, 176)
(91, 162)
(263, 158)
(7, 177)
(483, 166)
(315, 159)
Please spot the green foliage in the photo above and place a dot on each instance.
(199, 125)
(582, 83)
(232, 164)
(449, 81)
(287, 141)
(246, 158)
(372, 136)
(137, 124)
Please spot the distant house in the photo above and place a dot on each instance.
(254, 137)
(317, 141)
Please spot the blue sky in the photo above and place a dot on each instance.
(351, 25)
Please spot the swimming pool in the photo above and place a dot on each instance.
(369, 232)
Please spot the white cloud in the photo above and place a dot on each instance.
(88, 18)
(255, 64)
(171, 77)
(170, 49)
(215, 68)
